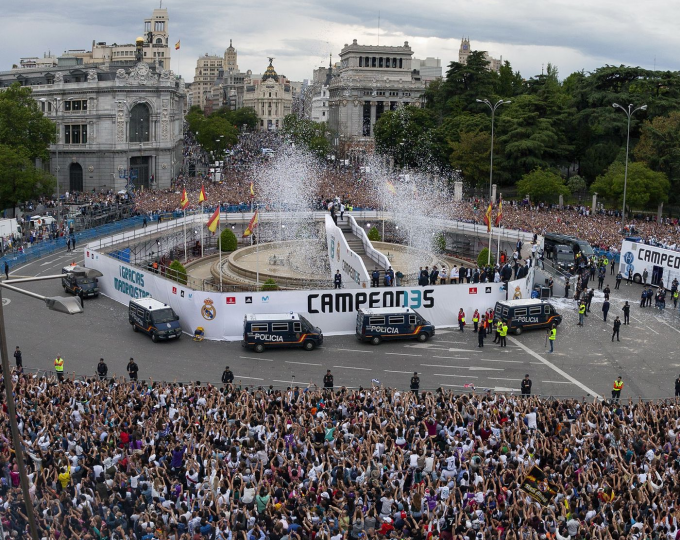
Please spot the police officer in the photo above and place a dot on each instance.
(626, 313)
(525, 386)
(337, 279)
(482, 332)
(132, 369)
(375, 278)
(617, 326)
(589, 300)
(552, 335)
(18, 359)
(227, 376)
(328, 381)
(475, 320)
(59, 367)
(605, 309)
(415, 383)
(616, 390)
(619, 277)
(102, 369)
(677, 386)
(566, 287)
(503, 333)
(581, 313)
(497, 337)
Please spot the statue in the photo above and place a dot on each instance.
(58, 77)
(121, 75)
(165, 75)
(92, 75)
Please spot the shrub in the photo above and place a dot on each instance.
(484, 257)
(269, 285)
(177, 272)
(440, 243)
(374, 235)
(228, 240)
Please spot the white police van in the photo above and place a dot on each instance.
(378, 324)
(154, 318)
(268, 330)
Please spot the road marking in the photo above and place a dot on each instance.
(556, 369)
(455, 386)
(392, 371)
(50, 262)
(503, 379)
(469, 368)
(504, 361)
(403, 354)
(287, 382)
(654, 330)
(558, 382)
(459, 376)
(664, 322)
(301, 363)
(244, 377)
(354, 350)
(452, 357)
(635, 319)
(6, 301)
(256, 358)
(350, 367)
(444, 341)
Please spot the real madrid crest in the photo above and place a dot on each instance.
(208, 310)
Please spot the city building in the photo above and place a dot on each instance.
(321, 81)
(464, 52)
(113, 121)
(207, 69)
(371, 79)
(429, 69)
(271, 96)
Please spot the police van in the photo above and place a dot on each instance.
(154, 318)
(378, 324)
(269, 330)
(526, 314)
(662, 265)
(74, 280)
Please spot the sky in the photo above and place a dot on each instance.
(573, 35)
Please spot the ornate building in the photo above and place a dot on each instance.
(113, 121)
(371, 79)
(271, 97)
(218, 81)
(464, 52)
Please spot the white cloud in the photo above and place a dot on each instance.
(572, 34)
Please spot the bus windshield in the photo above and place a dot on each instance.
(163, 316)
(306, 323)
(586, 249)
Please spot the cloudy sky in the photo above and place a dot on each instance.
(571, 34)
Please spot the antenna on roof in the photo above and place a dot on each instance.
(378, 27)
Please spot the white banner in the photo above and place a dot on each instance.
(334, 311)
(341, 257)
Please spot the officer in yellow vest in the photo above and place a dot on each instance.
(581, 313)
(475, 319)
(616, 391)
(552, 334)
(59, 367)
(503, 333)
(497, 337)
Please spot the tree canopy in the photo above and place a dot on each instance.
(645, 188)
(542, 186)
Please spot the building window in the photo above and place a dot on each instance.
(139, 123)
(387, 62)
(400, 63)
(380, 62)
(159, 41)
(147, 26)
(75, 134)
(159, 26)
(42, 106)
(394, 62)
(361, 61)
(373, 62)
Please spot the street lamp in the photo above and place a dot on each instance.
(493, 114)
(61, 304)
(57, 101)
(630, 111)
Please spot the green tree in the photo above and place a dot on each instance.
(509, 83)
(483, 258)
(314, 136)
(465, 83)
(269, 285)
(374, 235)
(645, 188)
(542, 186)
(471, 155)
(577, 186)
(405, 135)
(195, 118)
(177, 272)
(228, 240)
(20, 180)
(245, 116)
(215, 134)
(659, 148)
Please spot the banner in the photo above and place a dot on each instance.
(537, 486)
(334, 311)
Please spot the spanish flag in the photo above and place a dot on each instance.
(251, 226)
(391, 188)
(202, 197)
(487, 218)
(184, 202)
(497, 222)
(177, 45)
(214, 220)
(252, 190)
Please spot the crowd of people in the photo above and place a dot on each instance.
(114, 459)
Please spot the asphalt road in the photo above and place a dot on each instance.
(585, 361)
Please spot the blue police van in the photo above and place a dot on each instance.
(154, 318)
(378, 324)
(274, 330)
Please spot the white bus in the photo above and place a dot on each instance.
(662, 265)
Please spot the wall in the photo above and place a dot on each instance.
(341, 257)
(221, 315)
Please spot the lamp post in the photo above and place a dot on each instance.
(57, 103)
(69, 305)
(493, 115)
(630, 111)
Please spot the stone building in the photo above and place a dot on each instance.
(430, 69)
(271, 97)
(113, 121)
(465, 49)
(207, 69)
(371, 79)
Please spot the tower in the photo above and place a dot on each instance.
(157, 37)
(230, 59)
(464, 50)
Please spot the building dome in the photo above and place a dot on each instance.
(270, 73)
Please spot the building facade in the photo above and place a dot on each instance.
(112, 122)
(207, 70)
(371, 79)
(430, 69)
(465, 50)
(271, 97)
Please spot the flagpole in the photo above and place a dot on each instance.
(185, 235)
(257, 257)
(201, 223)
(219, 239)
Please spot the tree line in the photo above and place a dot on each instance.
(554, 137)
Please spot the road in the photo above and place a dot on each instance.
(585, 361)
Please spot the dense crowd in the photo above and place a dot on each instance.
(147, 460)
